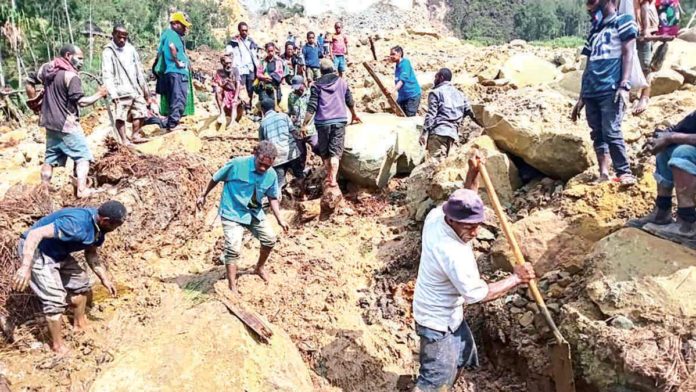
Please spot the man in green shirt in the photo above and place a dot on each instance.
(176, 69)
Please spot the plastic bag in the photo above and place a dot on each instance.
(637, 78)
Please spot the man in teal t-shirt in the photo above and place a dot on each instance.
(247, 180)
(176, 68)
(406, 86)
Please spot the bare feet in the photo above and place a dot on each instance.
(85, 193)
(640, 106)
(80, 324)
(61, 350)
(261, 272)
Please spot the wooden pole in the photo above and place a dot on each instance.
(67, 17)
(392, 103)
(372, 48)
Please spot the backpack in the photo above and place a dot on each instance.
(668, 12)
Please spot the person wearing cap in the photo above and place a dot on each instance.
(175, 86)
(54, 275)
(277, 128)
(298, 102)
(448, 278)
(329, 97)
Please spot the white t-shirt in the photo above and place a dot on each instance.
(448, 276)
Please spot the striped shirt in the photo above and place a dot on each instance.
(603, 48)
(277, 128)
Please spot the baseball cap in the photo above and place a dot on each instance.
(181, 18)
(297, 82)
(464, 206)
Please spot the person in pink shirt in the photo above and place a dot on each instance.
(339, 49)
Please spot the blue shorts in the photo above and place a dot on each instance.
(680, 156)
(61, 146)
(340, 63)
(443, 354)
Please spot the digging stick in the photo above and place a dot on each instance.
(395, 106)
(560, 352)
(372, 48)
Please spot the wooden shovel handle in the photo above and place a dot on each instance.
(519, 258)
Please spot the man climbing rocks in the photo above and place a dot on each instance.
(312, 53)
(447, 107)
(279, 130)
(448, 278)
(54, 275)
(338, 50)
(407, 91)
(330, 95)
(675, 150)
(60, 115)
(270, 74)
(244, 49)
(606, 86)
(226, 87)
(125, 81)
(247, 181)
(175, 86)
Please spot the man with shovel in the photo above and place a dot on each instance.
(448, 278)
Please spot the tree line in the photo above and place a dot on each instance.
(32, 32)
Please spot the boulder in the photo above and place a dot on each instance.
(181, 360)
(171, 142)
(538, 130)
(518, 43)
(680, 53)
(665, 81)
(526, 69)
(547, 240)
(376, 149)
(570, 84)
(688, 74)
(638, 275)
(688, 35)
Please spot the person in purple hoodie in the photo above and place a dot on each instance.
(330, 95)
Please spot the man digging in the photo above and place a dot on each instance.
(53, 273)
(247, 180)
(448, 278)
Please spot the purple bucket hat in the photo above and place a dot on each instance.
(464, 206)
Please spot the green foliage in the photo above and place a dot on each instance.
(561, 42)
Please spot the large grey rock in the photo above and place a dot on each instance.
(665, 81)
(379, 148)
(526, 69)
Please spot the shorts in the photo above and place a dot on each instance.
(340, 63)
(410, 105)
(60, 146)
(443, 354)
(331, 140)
(645, 52)
(233, 233)
(680, 156)
(129, 109)
(313, 74)
(51, 281)
(439, 145)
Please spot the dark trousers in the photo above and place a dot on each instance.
(268, 90)
(604, 116)
(313, 141)
(410, 106)
(177, 93)
(248, 82)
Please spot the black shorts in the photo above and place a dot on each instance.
(331, 140)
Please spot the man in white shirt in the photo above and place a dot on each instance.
(448, 278)
(244, 49)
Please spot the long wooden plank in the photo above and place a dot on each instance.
(247, 317)
(392, 103)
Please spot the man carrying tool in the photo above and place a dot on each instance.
(675, 149)
(447, 107)
(407, 91)
(448, 278)
(54, 275)
(60, 115)
(329, 97)
(124, 79)
(247, 181)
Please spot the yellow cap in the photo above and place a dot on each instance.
(181, 18)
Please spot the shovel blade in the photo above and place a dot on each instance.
(562, 367)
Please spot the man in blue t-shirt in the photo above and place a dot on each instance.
(50, 269)
(176, 72)
(312, 53)
(247, 180)
(407, 91)
(606, 86)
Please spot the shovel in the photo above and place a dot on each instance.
(561, 363)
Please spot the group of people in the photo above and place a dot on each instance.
(317, 117)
